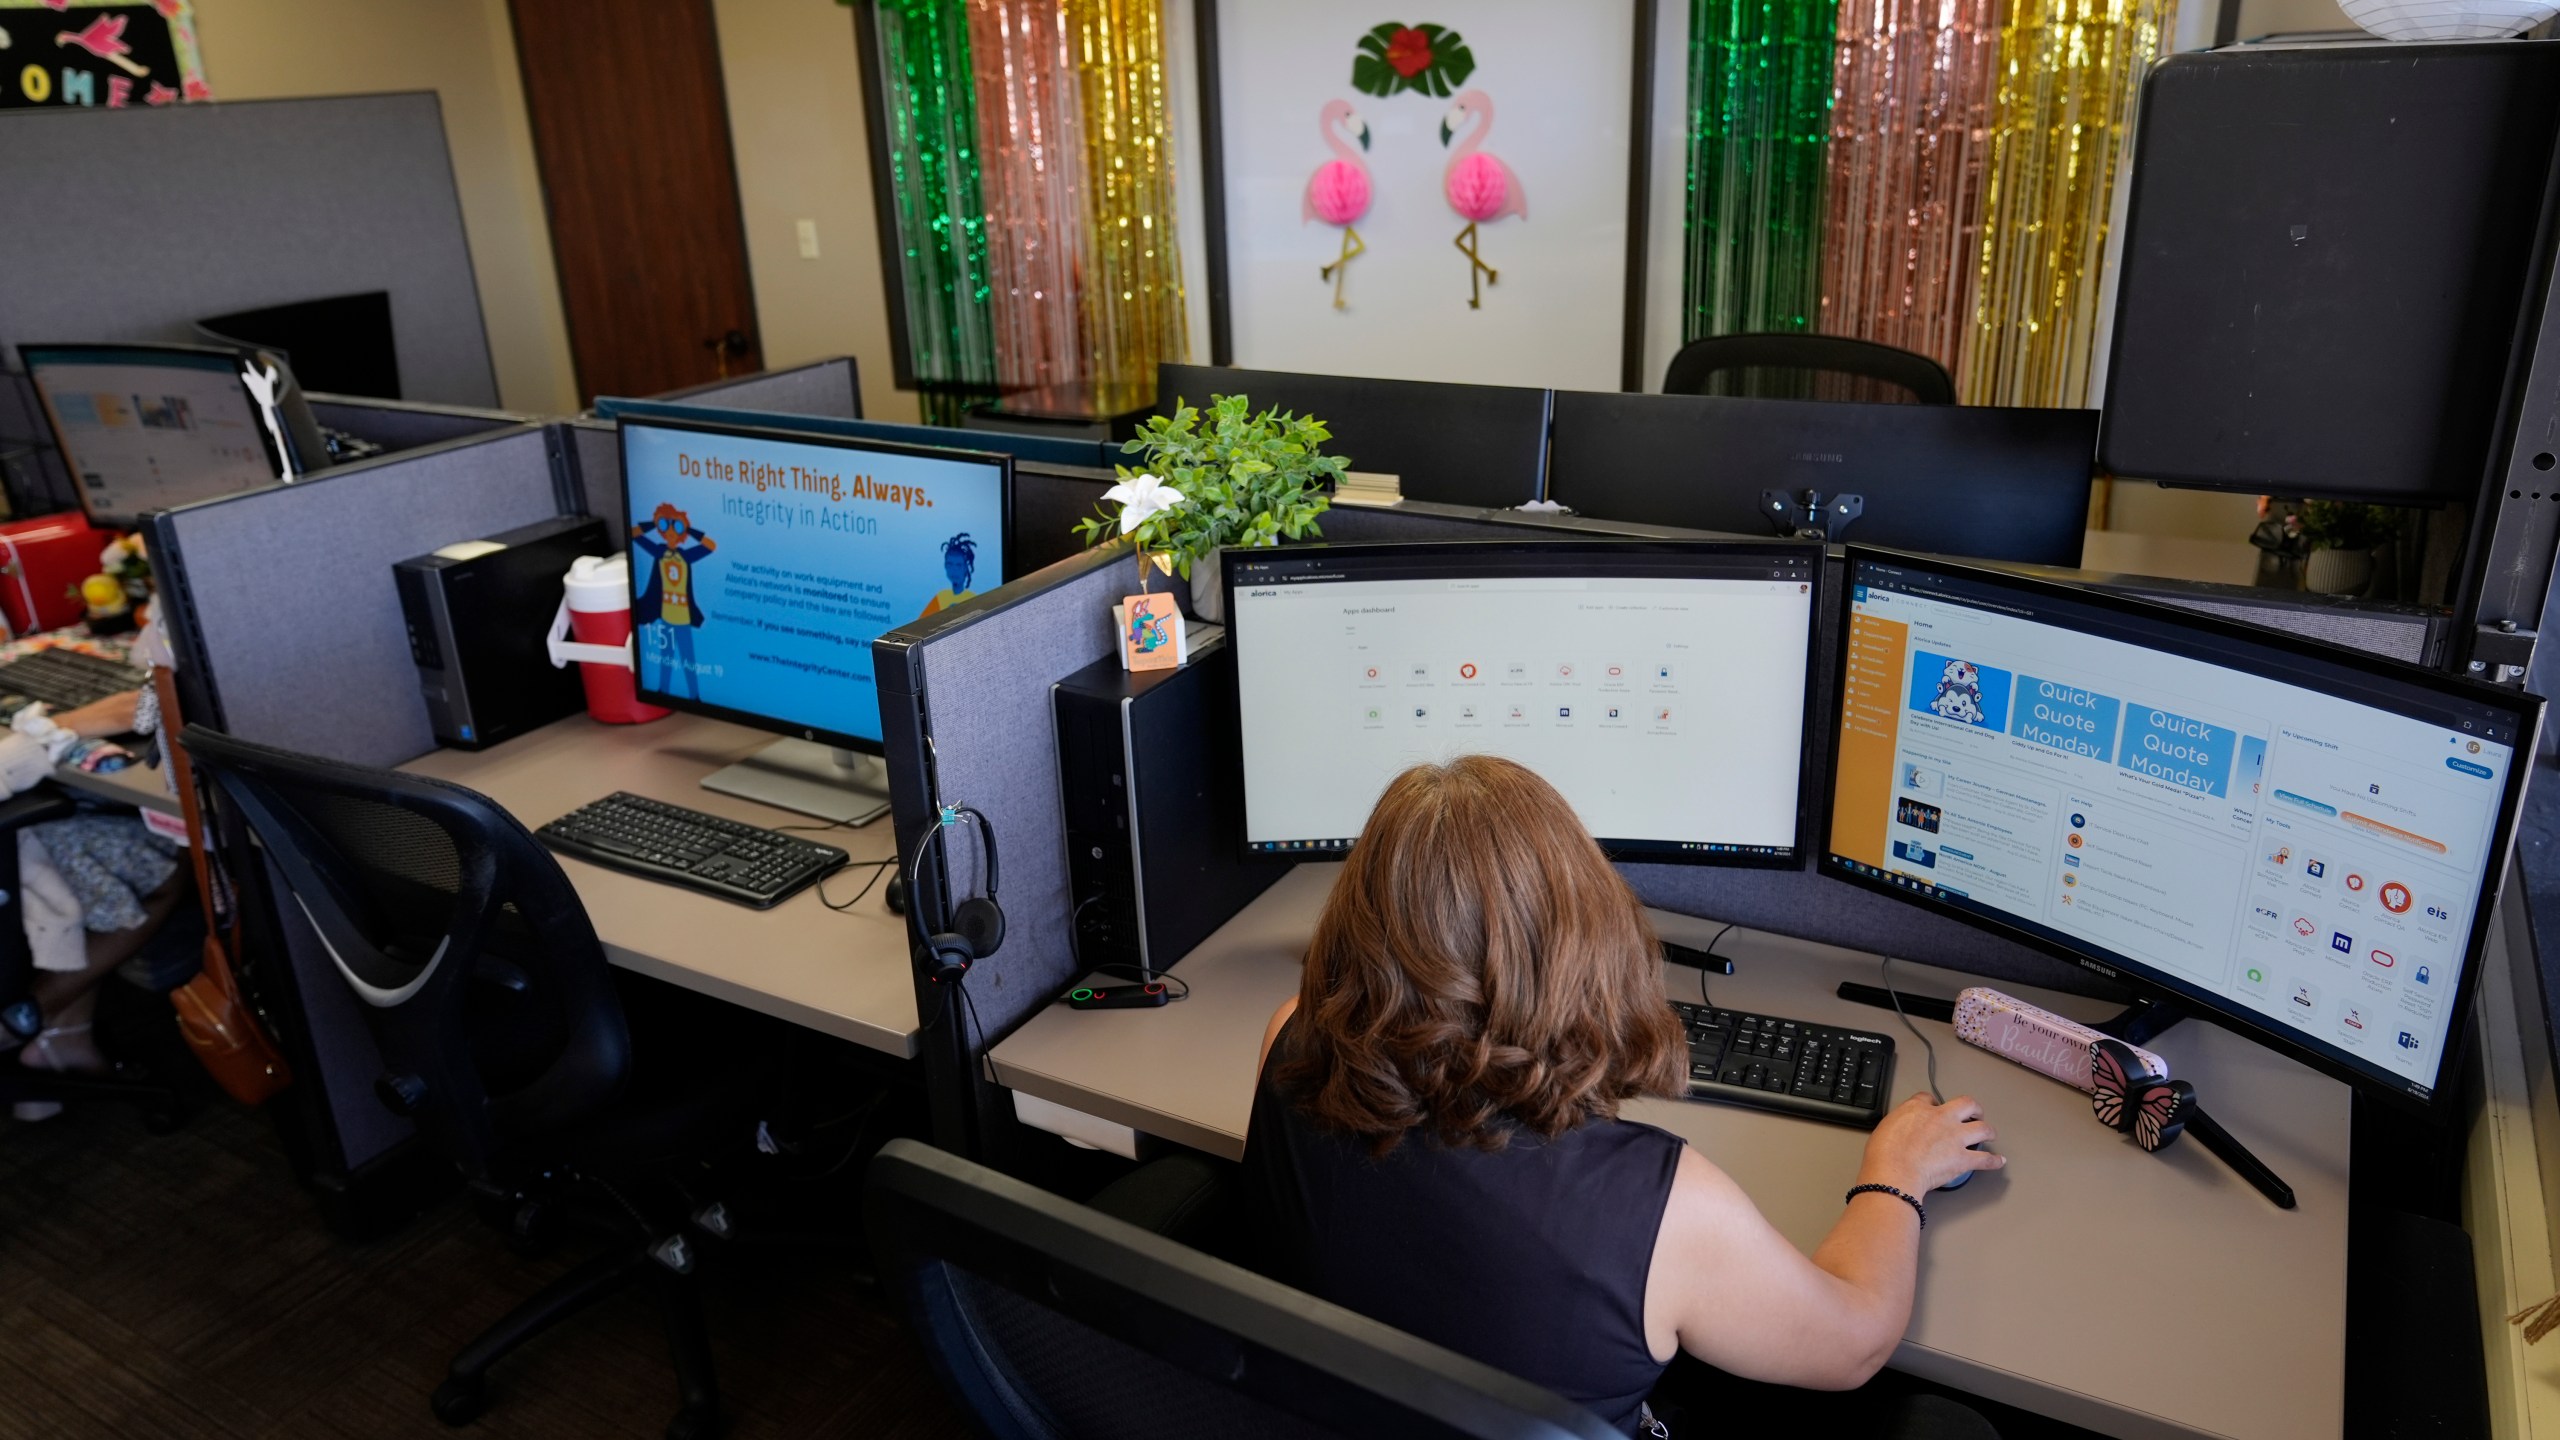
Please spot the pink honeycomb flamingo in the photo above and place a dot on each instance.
(1479, 186)
(1339, 190)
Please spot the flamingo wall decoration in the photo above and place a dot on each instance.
(1339, 190)
(1479, 186)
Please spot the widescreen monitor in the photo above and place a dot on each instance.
(1660, 686)
(763, 564)
(1988, 482)
(150, 427)
(2303, 842)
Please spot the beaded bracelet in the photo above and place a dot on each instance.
(1905, 1196)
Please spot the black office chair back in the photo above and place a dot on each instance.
(1051, 1321)
(1807, 367)
(471, 957)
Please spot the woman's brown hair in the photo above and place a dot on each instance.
(1479, 967)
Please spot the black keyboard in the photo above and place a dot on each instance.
(68, 679)
(652, 838)
(1791, 1066)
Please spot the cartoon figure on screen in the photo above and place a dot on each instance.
(1959, 693)
(959, 564)
(669, 608)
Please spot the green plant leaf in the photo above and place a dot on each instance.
(1373, 76)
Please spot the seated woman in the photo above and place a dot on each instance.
(1435, 1140)
(125, 882)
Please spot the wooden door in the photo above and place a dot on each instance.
(631, 128)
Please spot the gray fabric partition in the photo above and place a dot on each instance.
(282, 604)
(594, 453)
(822, 387)
(399, 425)
(132, 224)
(1047, 503)
(986, 693)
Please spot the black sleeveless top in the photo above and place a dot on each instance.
(1531, 1259)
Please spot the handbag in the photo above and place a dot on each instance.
(215, 1019)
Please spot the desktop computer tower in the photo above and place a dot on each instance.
(1150, 784)
(479, 614)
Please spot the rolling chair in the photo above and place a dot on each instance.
(503, 1036)
(159, 1103)
(1693, 371)
(1047, 1320)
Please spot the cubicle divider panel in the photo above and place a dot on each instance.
(592, 452)
(281, 600)
(154, 217)
(822, 387)
(400, 425)
(1047, 503)
(2395, 631)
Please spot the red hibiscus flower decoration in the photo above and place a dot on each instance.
(1409, 51)
(1395, 57)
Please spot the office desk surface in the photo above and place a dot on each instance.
(844, 973)
(2136, 1295)
(136, 785)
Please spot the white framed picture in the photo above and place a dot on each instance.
(1453, 194)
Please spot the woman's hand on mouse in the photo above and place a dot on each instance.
(1919, 1146)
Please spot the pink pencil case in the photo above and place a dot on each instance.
(2035, 1037)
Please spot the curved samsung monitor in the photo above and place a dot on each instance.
(2301, 841)
(1988, 482)
(1661, 686)
(764, 562)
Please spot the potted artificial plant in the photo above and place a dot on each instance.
(2343, 536)
(1241, 478)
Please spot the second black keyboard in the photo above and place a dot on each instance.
(656, 840)
(1794, 1067)
(68, 679)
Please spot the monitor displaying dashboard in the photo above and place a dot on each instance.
(1660, 686)
(2303, 840)
(764, 563)
(144, 428)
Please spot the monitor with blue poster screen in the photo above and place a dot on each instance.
(2303, 841)
(764, 562)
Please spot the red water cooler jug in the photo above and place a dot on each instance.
(597, 610)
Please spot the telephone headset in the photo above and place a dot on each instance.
(976, 926)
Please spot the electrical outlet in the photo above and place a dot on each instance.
(808, 239)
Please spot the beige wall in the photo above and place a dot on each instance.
(795, 115)
(464, 50)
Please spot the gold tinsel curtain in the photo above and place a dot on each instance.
(2060, 129)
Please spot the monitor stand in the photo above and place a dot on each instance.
(842, 786)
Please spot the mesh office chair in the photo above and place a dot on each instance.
(1807, 367)
(1052, 1321)
(503, 1034)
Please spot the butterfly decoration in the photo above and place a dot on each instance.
(2151, 1108)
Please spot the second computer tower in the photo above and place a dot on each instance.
(1149, 782)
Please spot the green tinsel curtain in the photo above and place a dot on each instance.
(1760, 122)
(933, 167)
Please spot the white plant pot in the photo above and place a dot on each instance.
(2448, 19)
(1208, 590)
(2337, 572)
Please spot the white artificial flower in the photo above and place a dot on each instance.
(1141, 500)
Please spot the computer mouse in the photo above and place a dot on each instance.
(1962, 1180)
(894, 894)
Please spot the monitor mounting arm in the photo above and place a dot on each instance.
(1807, 515)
